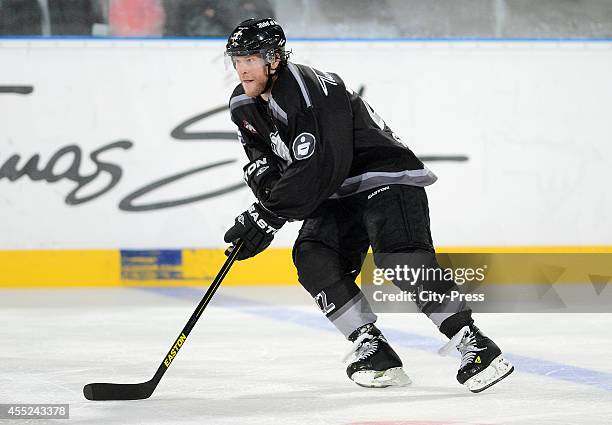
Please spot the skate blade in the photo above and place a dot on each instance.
(393, 377)
(495, 372)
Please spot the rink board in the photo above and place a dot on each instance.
(170, 267)
(66, 268)
(118, 144)
(111, 150)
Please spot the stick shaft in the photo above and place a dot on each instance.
(196, 315)
(103, 391)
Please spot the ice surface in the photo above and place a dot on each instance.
(265, 355)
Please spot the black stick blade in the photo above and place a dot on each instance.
(98, 391)
(17, 89)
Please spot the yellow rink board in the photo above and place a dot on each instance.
(78, 268)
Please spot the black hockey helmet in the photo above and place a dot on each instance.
(258, 36)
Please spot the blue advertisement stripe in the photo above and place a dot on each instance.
(523, 364)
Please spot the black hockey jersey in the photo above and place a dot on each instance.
(326, 141)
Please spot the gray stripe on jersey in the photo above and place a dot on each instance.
(278, 112)
(298, 76)
(370, 180)
(353, 315)
(240, 100)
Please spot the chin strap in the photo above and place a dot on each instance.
(271, 76)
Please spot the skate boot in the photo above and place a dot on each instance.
(482, 363)
(373, 363)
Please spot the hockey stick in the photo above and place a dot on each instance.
(102, 391)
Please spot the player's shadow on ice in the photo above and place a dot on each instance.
(315, 401)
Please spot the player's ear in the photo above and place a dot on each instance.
(277, 60)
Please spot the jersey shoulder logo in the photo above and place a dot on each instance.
(249, 126)
(324, 78)
(304, 146)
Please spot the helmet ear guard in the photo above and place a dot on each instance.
(269, 56)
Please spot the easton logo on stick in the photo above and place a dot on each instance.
(175, 349)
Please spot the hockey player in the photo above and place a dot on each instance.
(319, 153)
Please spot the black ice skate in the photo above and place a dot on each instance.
(374, 364)
(482, 363)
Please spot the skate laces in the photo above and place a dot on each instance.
(465, 342)
(361, 349)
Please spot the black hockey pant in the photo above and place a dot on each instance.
(332, 244)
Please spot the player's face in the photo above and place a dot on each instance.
(252, 72)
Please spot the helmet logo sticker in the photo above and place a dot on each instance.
(236, 36)
(267, 23)
(304, 146)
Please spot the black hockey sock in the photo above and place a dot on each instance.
(454, 323)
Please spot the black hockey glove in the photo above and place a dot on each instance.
(256, 228)
(261, 174)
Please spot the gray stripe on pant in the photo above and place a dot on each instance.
(352, 315)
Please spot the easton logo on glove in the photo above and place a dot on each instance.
(255, 227)
(263, 224)
(250, 169)
(261, 174)
(261, 171)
